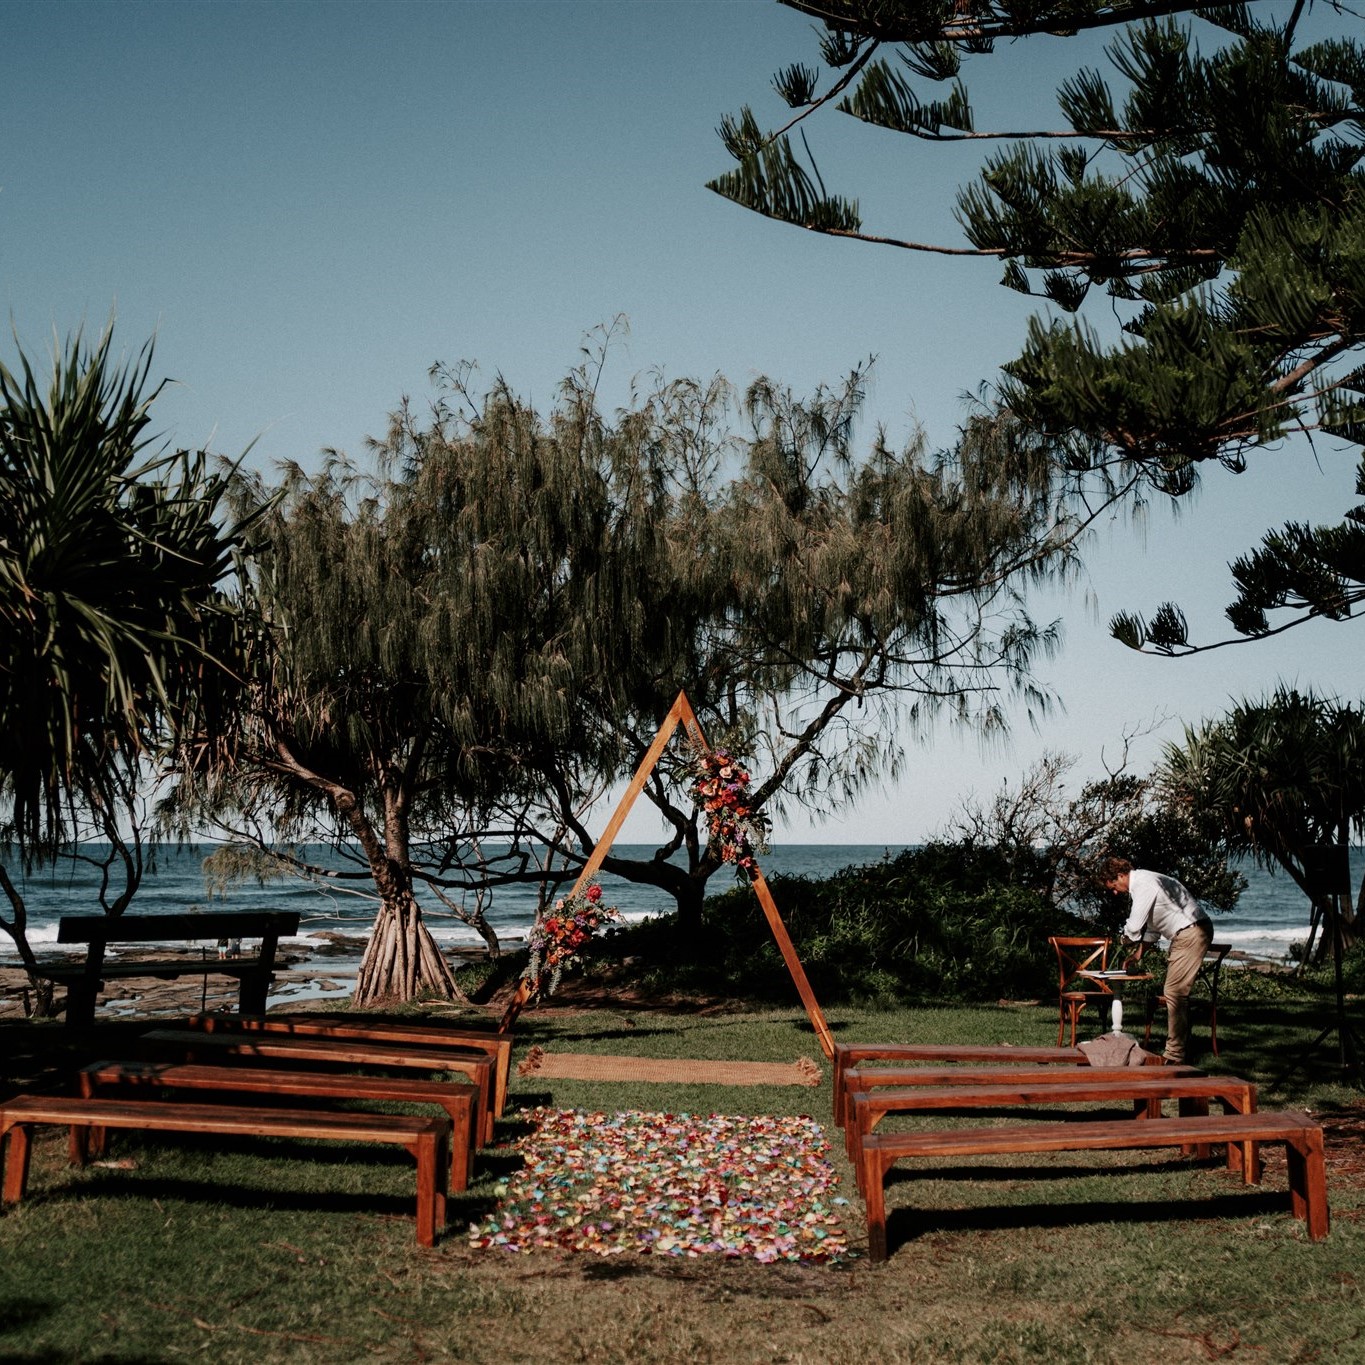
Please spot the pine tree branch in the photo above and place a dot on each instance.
(846, 19)
(834, 91)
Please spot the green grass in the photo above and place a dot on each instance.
(263, 1251)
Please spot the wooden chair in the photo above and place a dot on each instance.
(1074, 956)
(1208, 973)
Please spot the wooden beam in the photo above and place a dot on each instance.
(681, 713)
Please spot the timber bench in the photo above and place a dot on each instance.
(868, 1107)
(497, 1046)
(1301, 1136)
(426, 1139)
(848, 1055)
(84, 981)
(860, 1080)
(192, 1045)
(460, 1102)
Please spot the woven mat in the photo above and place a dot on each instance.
(586, 1066)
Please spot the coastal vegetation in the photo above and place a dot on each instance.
(1285, 781)
(466, 641)
(121, 637)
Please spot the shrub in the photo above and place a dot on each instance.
(947, 921)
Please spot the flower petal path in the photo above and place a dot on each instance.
(671, 1184)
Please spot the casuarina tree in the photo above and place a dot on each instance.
(470, 641)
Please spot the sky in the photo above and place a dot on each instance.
(309, 204)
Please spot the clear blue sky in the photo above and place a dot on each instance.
(309, 203)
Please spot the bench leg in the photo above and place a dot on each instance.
(874, 1197)
(80, 1003)
(431, 1172)
(839, 1103)
(461, 1143)
(1242, 1156)
(487, 1088)
(444, 1146)
(860, 1120)
(1308, 1183)
(851, 1143)
(1189, 1108)
(78, 1142)
(17, 1149)
(251, 992)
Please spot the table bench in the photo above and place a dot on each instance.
(859, 1080)
(1301, 1136)
(1193, 1093)
(460, 1103)
(426, 1139)
(192, 1045)
(853, 1054)
(84, 981)
(496, 1045)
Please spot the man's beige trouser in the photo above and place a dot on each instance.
(1183, 961)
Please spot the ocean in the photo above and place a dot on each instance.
(1271, 915)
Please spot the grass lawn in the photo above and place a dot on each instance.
(263, 1251)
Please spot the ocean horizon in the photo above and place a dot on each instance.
(1271, 916)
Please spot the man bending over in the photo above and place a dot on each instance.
(1164, 908)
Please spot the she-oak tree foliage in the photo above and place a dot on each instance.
(1215, 194)
(467, 642)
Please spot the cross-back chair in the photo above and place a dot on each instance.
(1077, 954)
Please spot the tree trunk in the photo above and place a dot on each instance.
(687, 887)
(402, 960)
(690, 895)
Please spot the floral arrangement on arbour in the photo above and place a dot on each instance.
(721, 789)
(557, 940)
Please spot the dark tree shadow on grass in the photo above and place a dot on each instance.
(907, 1225)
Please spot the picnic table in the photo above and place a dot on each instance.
(254, 972)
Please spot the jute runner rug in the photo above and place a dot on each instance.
(586, 1066)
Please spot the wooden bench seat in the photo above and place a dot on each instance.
(192, 1045)
(860, 1079)
(460, 1103)
(427, 1139)
(1301, 1136)
(1137, 1086)
(254, 973)
(848, 1055)
(496, 1045)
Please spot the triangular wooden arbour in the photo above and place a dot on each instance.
(681, 713)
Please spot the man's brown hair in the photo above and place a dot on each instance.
(1114, 867)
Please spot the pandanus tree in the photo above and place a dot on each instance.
(1194, 220)
(470, 641)
(1282, 776)
(119, 636)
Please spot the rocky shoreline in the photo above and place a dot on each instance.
(322, 970)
